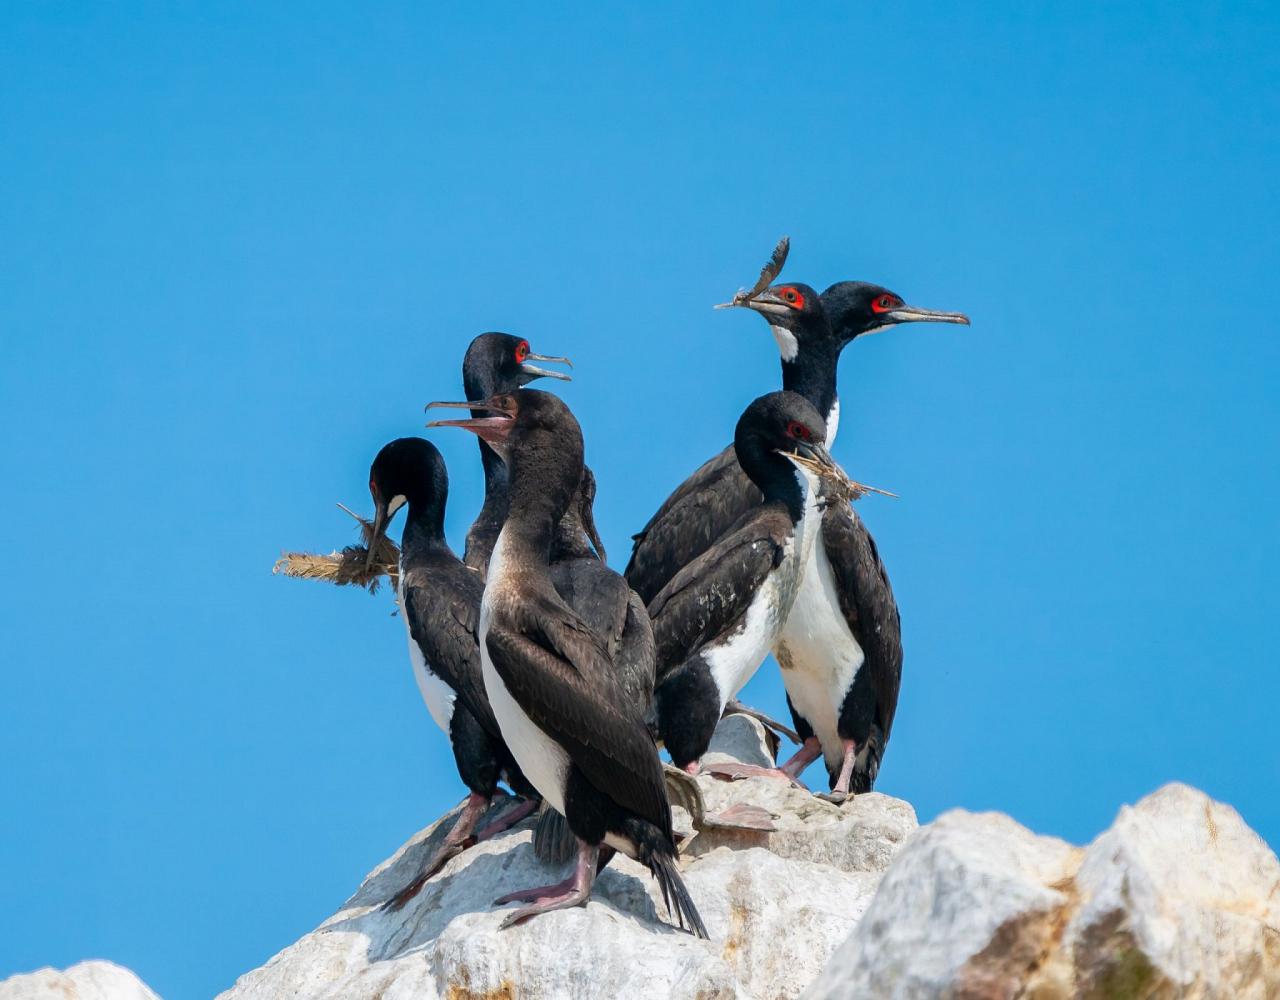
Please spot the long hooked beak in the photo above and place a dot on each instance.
(491, 429)
(533, 371)
(380, 521)
(912, 314)
(766, 302)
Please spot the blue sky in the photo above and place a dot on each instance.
(242, 247)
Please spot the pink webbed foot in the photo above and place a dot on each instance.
(573, 891)
(733, 771)
(742, 816)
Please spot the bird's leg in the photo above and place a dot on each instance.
(507, 820)
(454, 844)
(841, 790)
(809, 751)
(735, 707)
(573, 891)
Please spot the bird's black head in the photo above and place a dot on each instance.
(538, 438)
(854, 308)
(772, 433)
(795, 314)
(498, 362)
(407, 471)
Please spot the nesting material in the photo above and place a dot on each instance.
(837, 487)
(767, 274)
(346, 566)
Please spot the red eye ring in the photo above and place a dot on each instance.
(884, 303)
(373, 487)
(799, 431)
(792, 297)
(522, 351)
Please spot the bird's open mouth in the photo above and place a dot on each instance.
(495, 428)
(534, 371)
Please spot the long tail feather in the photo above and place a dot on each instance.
(666, 871)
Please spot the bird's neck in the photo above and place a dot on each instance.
(423, 525)
(812, 374)
(537, 503)
(494, 509)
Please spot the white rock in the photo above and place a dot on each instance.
(774, 920)
(963, 886)
(1179, 898)
(84, 981)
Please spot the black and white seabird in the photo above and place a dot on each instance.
(717, 618)
(498, 363)
(841, 648)
(551, 678)
(439, 601)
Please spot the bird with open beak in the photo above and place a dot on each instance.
(551, 676)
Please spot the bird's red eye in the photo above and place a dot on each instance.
(885, 302)
(793, 298)
(799, 431)
(522, 351)
(373, 488)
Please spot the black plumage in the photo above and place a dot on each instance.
(811, 331)
(440, 602)
(496, 363)
(717, 618)
(552, 677)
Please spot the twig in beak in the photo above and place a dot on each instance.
(837, 487)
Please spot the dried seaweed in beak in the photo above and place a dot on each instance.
(346, 566)
(836, 485)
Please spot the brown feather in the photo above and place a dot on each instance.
(767, 273)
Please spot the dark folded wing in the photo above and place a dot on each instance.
(705, 598)
(700, 510)
(866, 598)
(442, 606)
(560, 673)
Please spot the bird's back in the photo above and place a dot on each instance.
(690, 520)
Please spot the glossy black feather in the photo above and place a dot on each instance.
(710, 596)
(698, 512)
(442, 607)
(561, 674)
(866, 599)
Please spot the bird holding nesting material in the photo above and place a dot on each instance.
(840, 649)
(439, 600)
(439, 597)
(717, 618)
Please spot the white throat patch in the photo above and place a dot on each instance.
(788, 346)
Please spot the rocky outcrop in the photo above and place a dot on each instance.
(777, 905)
(1178, 899)
(85, 981)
